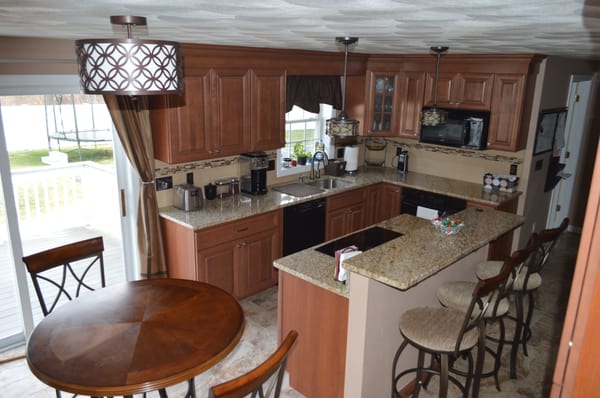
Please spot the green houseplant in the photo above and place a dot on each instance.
(300, 153)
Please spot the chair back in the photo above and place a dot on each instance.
(487, 296)
(548, 238)
(251, 384)
(64, 271)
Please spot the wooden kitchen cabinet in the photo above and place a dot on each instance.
(222, 112)
(181, 126)
(268, 109)
(381, 115)
(236, 256)
(462, 90)
(346, 213)
(507, 112)
(412, 91)
(383, 202)
(393, 104)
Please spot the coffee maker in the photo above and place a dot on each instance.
(253, 172)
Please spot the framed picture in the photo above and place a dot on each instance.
(549, 122)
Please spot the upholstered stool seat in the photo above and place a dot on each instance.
(457, 295)
(436, 329)
(447, 334)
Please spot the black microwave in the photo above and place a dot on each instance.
(462, 129)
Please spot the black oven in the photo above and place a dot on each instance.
(462, 129)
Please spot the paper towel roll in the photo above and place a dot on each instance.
(351, 158)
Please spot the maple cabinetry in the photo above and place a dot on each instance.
(222, 112)
(460, 90)
(236, 256)
(504, 132)
(346, 213)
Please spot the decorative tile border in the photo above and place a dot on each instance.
(455, 151)
(202, 164)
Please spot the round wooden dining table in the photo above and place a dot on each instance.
(135, 337)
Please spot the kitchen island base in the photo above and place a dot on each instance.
(316, 362)
(373, 335)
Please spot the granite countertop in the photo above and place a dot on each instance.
(231, 208)
(409, 259)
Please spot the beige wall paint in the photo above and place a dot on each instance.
(551, 92)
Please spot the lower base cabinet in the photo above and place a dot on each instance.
(236, 256)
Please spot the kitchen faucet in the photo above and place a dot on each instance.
(316, 159)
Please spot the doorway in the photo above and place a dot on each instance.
(54, 193)
(577, 106)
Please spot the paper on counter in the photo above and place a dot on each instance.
(426, 213)
(341, 274)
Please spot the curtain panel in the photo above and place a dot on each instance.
(308, 92)
(131, 118)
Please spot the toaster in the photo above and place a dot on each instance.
(187, 197)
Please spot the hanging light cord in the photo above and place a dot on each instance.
(345, 76)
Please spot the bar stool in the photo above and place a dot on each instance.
(457, 295)
(447, 333)
(526, 282)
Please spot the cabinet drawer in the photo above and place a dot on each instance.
(348, 199)
(237, 229)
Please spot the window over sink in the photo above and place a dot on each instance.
(304, 128)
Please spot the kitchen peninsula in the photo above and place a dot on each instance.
(350, 330)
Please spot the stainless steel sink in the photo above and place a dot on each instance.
(329, 183)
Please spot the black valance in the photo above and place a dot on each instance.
(308, 92)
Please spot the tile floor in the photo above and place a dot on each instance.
(260, 339)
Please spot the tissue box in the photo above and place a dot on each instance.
(340, 255)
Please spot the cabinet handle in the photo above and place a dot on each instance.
(242, 229)
(217, 150)
(244, 244)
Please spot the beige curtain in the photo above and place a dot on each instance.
(131, 117)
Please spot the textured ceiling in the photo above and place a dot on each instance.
(569, 28)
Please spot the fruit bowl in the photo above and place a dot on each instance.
(447, 226)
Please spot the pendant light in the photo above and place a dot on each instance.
(434, 116)
(342, 126)
(129, 66)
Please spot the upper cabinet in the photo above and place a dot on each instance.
(382, 102)
(223, 112)
(460, 90)
(397, 88)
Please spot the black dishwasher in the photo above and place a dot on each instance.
(303, 226)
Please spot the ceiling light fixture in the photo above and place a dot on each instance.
(434, 116)
(129, 66)
(341, 125)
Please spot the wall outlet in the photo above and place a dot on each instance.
(513, 169)
(164, 183)
(271, 165)
(189, 178)
(398, 150)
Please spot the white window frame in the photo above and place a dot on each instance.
(325, 112)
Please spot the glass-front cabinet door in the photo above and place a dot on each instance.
(382, 101)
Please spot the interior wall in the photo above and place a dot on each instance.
(556, 75)
(30, 56)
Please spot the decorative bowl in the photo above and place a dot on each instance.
(447, 226)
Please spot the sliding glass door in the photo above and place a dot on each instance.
(62, 182)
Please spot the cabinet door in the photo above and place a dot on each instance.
(505, 116)
(373, 204)
(180, 124)
(268, 109)
(254, 265)
(231, 111)
(474, 90)
(412, 90)
(216, 266)
(460, 90)
(381, 113)
(390, 201)
(356, 218)
(336, 224)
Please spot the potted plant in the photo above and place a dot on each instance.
(300, 153)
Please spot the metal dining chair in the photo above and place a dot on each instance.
(252, 383)
(64, 272)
